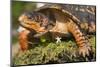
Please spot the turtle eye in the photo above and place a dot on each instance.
(29, 16)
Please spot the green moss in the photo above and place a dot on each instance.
(52, 53)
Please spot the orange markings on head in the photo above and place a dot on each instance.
(31, 24)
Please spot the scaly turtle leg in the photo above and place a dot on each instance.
(23, 39)
(82, 42)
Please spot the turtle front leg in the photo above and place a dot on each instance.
(23, 40)
(82, 42)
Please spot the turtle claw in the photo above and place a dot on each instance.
(84, 51)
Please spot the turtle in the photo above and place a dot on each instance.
(67, 19)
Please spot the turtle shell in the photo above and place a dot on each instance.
(78, 13)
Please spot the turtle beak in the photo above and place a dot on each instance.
(20, 19)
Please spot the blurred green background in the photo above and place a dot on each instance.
(17, 8)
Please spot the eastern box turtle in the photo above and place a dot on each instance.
(60, 20)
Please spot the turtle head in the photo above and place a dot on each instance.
(34, 20)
